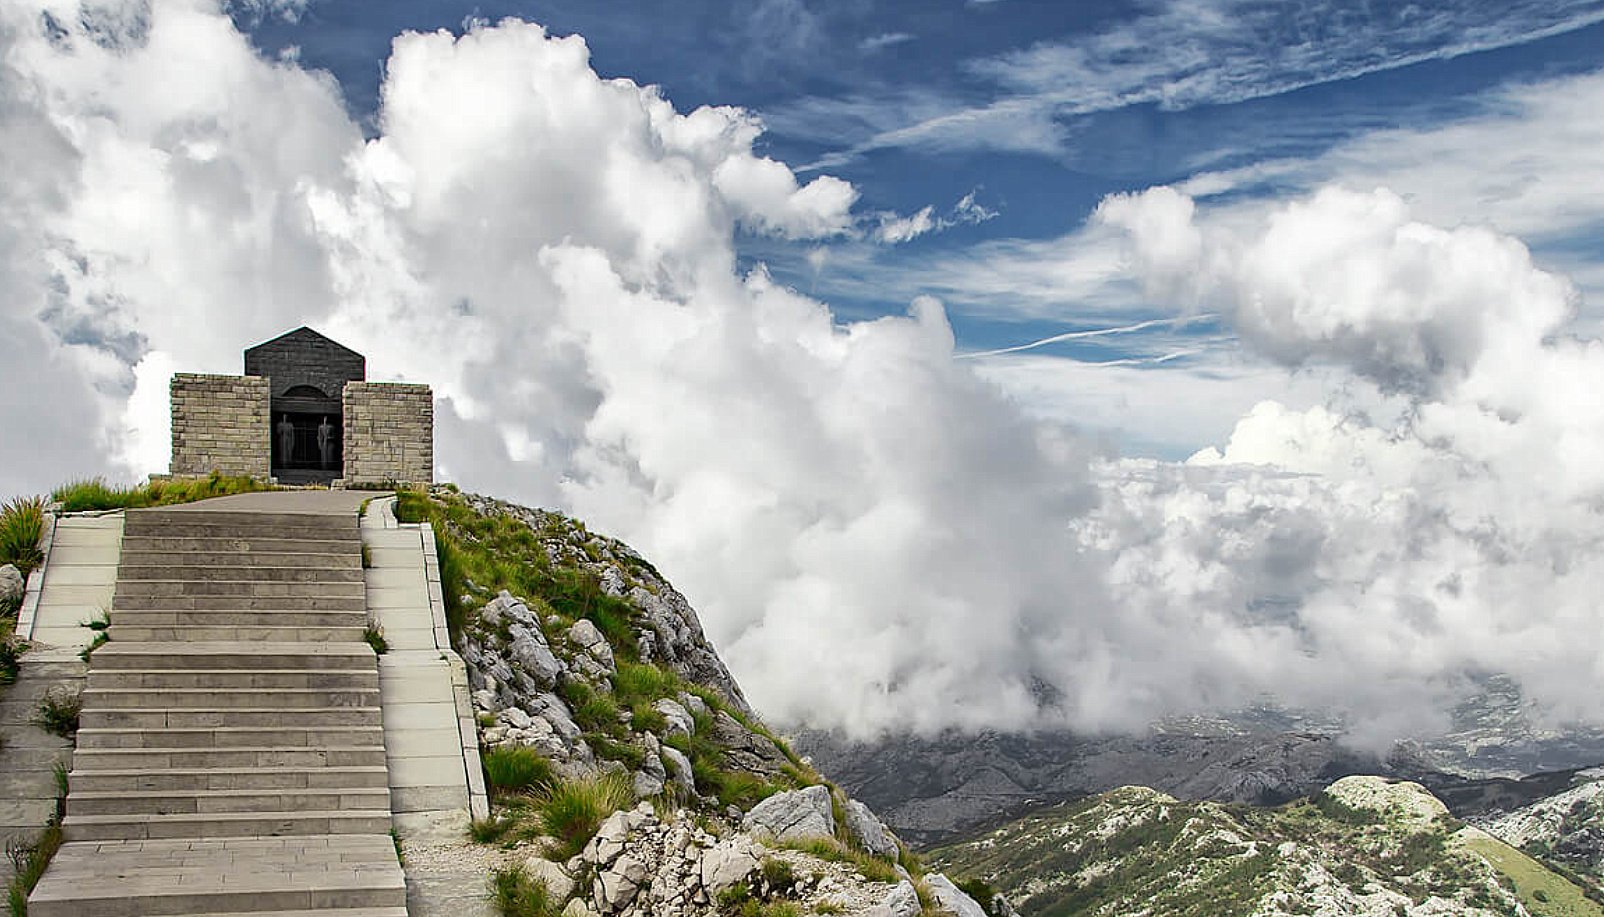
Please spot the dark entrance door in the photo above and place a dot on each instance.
(307, 447)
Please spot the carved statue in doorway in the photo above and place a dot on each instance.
(325, 442)
(286, 438)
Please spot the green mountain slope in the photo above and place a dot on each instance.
(1365, 846)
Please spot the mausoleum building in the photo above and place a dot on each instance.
(303, 413)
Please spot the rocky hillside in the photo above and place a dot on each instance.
(1365, 846)
(627, 771)
(933, 789)
(1565, 830)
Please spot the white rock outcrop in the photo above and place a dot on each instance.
(870, 833)
(794, 815)
(901, 901)
(951, 898)
(12, 586)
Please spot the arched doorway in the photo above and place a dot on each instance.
(307, 433)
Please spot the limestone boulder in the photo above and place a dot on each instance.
(651, 777)
(727, 863)
(679, 768)
(615, 888)
(609, 841)
(796, 815)
(12, 587)
(693, 704)
(559, 884)
(680, 721)
(951, 898)
(746, 750)
(870, 833)
(901, 901)
(529, 650)
(590, 640)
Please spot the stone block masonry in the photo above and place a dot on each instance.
(220, 423)
(389, 433)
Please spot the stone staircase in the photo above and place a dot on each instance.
(230, 754)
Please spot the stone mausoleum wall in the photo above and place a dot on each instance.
(389, 433)
(220, 423)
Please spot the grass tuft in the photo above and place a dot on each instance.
(29, 862)
(514, 893)
(374, 634)
(101, 638)
(516, 769)
(95, 494)
(58, 713)
(10, 659)
(572, 810)
(22, 526)
(870, 867)
(489, 830)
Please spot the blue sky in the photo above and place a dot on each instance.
(1033, 112)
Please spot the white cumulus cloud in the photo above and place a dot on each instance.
(876, 535)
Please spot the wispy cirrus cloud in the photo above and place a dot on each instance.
(884, 40)
(895, 228)
(1215, 52)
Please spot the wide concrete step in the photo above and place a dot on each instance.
(320, 912)
(169, 680)
(165, 779)
(235, 717)
(204, 656)
(136, 546)
(212, 617)
(236, 757)
(244, 633)
(287, 737)
(142, 520)
(238, 603)
(97, 698)
(209, 555)
(187, 587)
(347, 875)
(225, 824)
(211, 802)
(222, 534)
(228, 572)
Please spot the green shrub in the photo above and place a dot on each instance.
(632, 756)
(642, 681)
(594, 711)
(10, 664)
(778, 877)
(489, 830)
(374, 634)
(572, 810)
(515, 769)
(96, 494)
(22, 525)
(58, 713)
(731, 899)
(514, 893)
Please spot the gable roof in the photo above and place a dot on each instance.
(299, 338)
